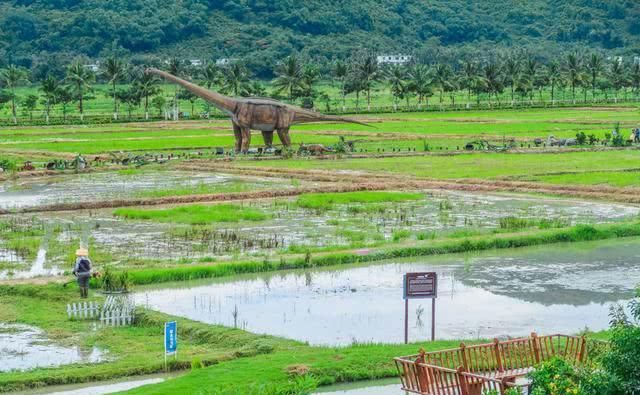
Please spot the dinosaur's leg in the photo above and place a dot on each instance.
(268, 138)
(246, 139)
(237, 132)
(283, 134)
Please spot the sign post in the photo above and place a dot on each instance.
(422, 285)
(170, 341)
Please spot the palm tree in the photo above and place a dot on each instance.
(235, 79)
(396, 77)
(573, 71)
(49, 88)
(79, 79)
(493, 79)
(617, 76)
(289, 76)
(310, 75)
(472, 80)
(64, 96)
(420, 83)
(368, 72)
(512, 71)
(595, 67)
(530, 75)
(146, 85)
(210, 75)
(554, 75)
(340, 71)
(634, 76)
(114, 70)
(442, 78)
(11, 77)
(176, 67)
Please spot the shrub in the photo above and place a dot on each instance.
(623, 359)
(581, 138)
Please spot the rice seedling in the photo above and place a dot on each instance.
(195, 214)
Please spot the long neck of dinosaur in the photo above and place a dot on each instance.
(223, 102)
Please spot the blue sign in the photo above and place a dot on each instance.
(170, 337)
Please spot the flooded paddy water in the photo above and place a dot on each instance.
(291, 227)
(24, 347)
(560, 288)
(88, 187)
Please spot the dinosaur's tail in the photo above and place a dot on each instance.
(309, 116)
(343, 119)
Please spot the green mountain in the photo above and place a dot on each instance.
(35, 33)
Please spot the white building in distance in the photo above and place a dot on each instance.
(394, 59)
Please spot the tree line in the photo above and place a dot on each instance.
(518, 75)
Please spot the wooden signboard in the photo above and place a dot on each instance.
(422, 285)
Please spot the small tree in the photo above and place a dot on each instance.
(114, 70)
(11, 77)
(49, 87)
(159, 103)
(30, 102)
(80, 79)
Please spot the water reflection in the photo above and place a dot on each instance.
(24, 347)
(552, 289)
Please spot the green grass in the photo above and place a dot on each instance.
(133, 350)
(195, 214)
(610, 178)
(488, 165)
(325, 201)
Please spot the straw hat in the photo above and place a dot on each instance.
(82, 252)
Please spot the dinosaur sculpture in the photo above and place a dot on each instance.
(262, 114)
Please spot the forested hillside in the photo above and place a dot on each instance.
(41, 33)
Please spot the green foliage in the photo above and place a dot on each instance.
(111, 281)
(623, 359)
(7, 164)
(581, 138)
(195, 214)
(523, 223)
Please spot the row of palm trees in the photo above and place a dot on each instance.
(519, 74)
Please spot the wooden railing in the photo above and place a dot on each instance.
(471, 370)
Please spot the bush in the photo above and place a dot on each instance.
(623, 359)
(7, 165)
(115, 282)
(581, 138)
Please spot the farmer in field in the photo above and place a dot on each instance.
(82, 270)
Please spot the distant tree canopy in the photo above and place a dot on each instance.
(40, 34)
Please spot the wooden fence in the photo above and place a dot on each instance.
(118, 310)
(83, 310)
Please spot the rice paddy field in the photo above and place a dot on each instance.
(284, 270)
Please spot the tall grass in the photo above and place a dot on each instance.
(325, 201)
(449, 246)
(195, 214)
